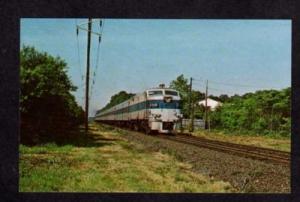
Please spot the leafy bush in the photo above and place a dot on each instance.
(263, 112)
(47, 107)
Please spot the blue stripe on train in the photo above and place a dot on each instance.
(149, 104)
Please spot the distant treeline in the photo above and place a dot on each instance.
(262, 112)
(48, 109)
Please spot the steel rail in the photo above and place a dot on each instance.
(254, 152)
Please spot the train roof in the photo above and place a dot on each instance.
(157, 88)
(136, 95)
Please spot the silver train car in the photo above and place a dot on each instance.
(156, 109)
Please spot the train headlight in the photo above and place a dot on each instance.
(168, 99)
(179, 115)
(156, 116)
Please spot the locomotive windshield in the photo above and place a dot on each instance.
(155, 92)
(169, 92)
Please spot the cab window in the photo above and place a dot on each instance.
(169, 92)
(155, 92)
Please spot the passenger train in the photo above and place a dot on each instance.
(156, 109)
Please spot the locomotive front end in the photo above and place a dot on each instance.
(163, 109)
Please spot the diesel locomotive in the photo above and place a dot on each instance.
(155, 109)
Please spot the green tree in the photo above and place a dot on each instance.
(117, 99)
(265, 111)
(181, 85)
(48, 109)
(223, 98)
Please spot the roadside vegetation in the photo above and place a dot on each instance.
(264, 112)
(47, 107)
(267, 141)
(106, 162)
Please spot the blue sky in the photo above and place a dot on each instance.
(139, 54)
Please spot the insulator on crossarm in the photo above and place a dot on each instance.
(99, 39)
(100, 23)
(77, 31)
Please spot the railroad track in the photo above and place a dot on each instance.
(253, 152)
(259, 153)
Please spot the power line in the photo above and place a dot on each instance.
(88, 88)
(197, 84)
(82, 85)
(203, 87)
(94, 74)
(78, 51)
(232, 84)
(78, 57)
(239, 86)
(101, 26)
(200, 79)
(236, 85)
(223, 91)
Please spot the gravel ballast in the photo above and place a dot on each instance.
(244, 174)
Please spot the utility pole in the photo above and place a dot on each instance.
(206, 105)
(87, 82)
(272, 119)
(192, 119)
(190, 105)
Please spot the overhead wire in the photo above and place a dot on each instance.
(211, 82)
(101, 26)
(97, 59)
(78, 51)
(236, 85)
(200, 79)
(231, 84)
(221, 90)
(78, 27)
(78, 57)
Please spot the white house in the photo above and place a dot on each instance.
(212, 104)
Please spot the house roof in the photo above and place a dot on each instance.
(210, 103)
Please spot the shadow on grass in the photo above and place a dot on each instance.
(78, 138)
